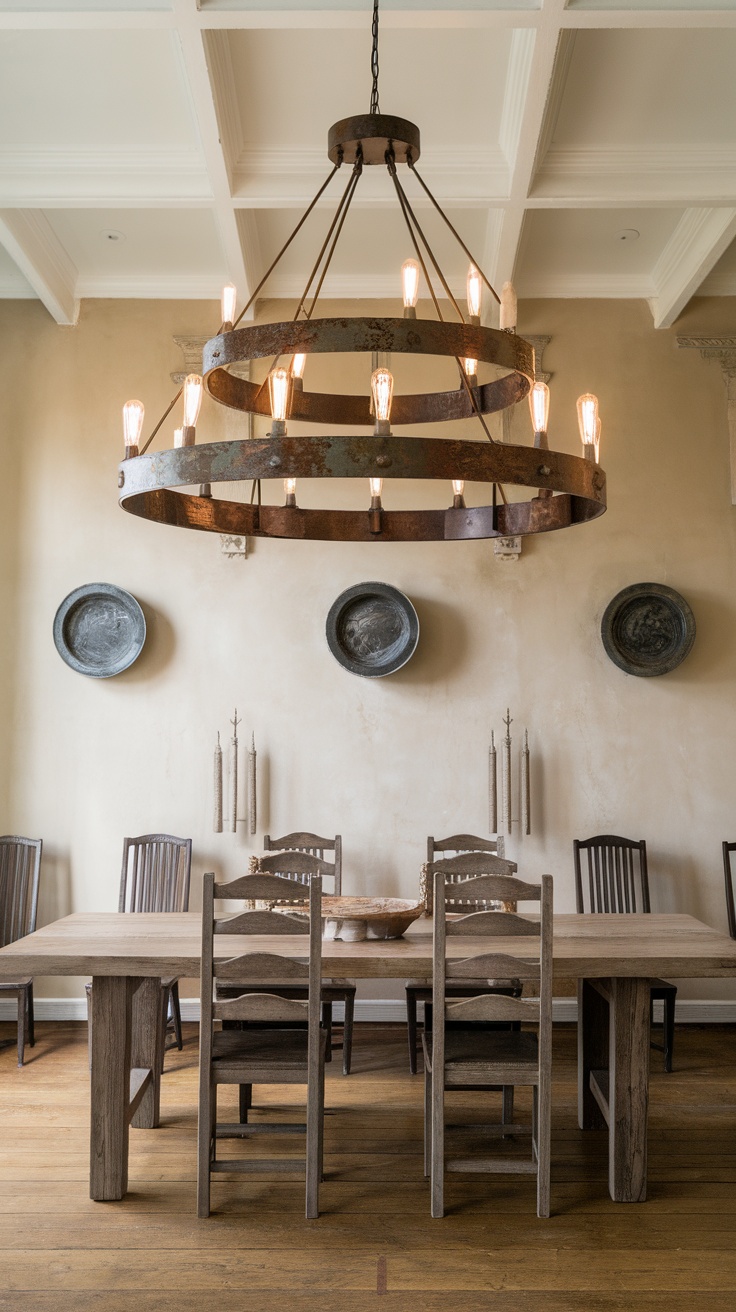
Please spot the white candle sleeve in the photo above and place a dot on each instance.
(233, 784)
(492, 789)
(217, 815)
(526, 792)
(252, 797)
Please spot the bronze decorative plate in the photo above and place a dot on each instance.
(648, 629)
(99, 630)
(372, 629)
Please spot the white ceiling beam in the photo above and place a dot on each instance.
(196, 56)
(33, 245)
(697, 243)
(536, 70)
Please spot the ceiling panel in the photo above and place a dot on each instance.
(722, 278)
(142, 252)
(637, 88)
(573, 252)
(82, 89)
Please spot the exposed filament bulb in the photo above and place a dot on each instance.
(227, 305)
(588, 424)
(279, 389)
(474, 292)
(290, 491)
(133, 416)
(458, 488)
(410, 287)
(382, 387)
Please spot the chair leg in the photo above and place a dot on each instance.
(669, 1031)
(438, 1143)
(245, 1102)
(544, 1130)
(411, 1026)
(204, 1147)
(313, 1162)
(507, 1112)
(322, 1125)
(31, 1026)
(327, 1025)
(21, 1025)
(427, 1121)
(347, 1033)
(176, 1011)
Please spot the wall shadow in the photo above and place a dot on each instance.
(443, 644)
(158, 650)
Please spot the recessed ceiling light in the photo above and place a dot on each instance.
(112, 234)
(627, 234)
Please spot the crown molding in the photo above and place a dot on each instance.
(515, 93)
(135, 173)
(165, 287)
(638, 173)
(610, 286)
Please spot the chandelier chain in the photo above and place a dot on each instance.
(374, 60)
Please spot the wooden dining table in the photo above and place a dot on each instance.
(613, 958)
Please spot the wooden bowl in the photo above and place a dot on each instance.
(353, 919)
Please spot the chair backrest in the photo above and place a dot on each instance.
(156, 873)
(20, 868)
(729, 872)
(262, 965)
(496, 964)
(615, 877)
(458, 869)
(464, 843)
(291, 846)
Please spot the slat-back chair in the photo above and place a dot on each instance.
(20, 870)
(730, 873)
(615, 880)
(261, 1053)
(483, 859)
(155, 876)
(301, 866)
(302, 841)
(458, 1058)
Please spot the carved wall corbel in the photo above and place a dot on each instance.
(722, 349)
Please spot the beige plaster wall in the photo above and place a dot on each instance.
(83, 762)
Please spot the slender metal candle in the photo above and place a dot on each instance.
(217, 820)
(506, 774)
(252, 813)
(526, 792)
(234, 773)
(492, 788)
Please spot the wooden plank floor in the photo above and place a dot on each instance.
(375, 1238)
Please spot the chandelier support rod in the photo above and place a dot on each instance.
(355, 179)
(351, 185)
(452, 228)
(390, 164)
(403, 196)
(287, 243)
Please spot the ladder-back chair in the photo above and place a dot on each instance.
(483, 859)
(301, 866)
(20, 870)
(261, 1053)
(615, 880)
(460, 1058)
(156, 875)
(314, 845)
(729, 872)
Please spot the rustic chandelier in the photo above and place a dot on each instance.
(569, 489)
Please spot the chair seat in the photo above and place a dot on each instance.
(467, 986)
(12, 986)
(480, 1057)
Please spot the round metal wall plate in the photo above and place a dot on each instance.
(648, 629)
(99, 630)
(372, 629)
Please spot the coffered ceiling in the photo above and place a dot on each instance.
(158, 148)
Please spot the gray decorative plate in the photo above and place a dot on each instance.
(99, 630)
(372, 629)
(648, 629)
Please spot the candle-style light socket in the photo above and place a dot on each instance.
(474, 319)
(278, 428)
(227, 326)
(188, 435)
(458, 501)
(541, 441)
(589, 452)
(205, 490)
(374, 515)
(131, 451)
(472, 380)
(290, 499)
(410, 311)
(382, 428)
(297, 384)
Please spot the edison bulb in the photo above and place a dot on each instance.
(278, 387)
(133, 415)
(507, 311)
(376, 485)
(458, 486)
(539, 406)
(410, 283)
(588, 418)
(382, 387)
(228, 302)
(474, 292)
(598, 441)
(297, 365)
(178, 437)
(192, 399)
(470, 367)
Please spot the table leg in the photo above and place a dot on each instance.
(628, 1090)
(147, 1047)
(110, 1087)
(593, 1023)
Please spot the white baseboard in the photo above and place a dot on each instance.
(690, 1011)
